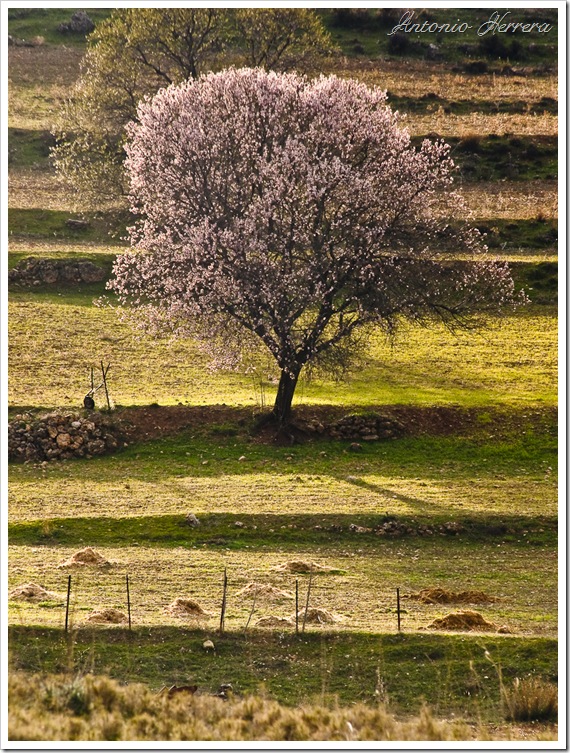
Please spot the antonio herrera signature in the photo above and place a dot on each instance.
(496, 24)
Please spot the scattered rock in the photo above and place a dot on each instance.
(192, 520)
(109, 616)
(238, 524)
(33, 592)
(87, 557)
(208, 646)
(369, 427)
(40, 271)
(79, 23)
(358, 529)
(462, 621)
(355, 447)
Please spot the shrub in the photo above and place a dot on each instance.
(531, 700)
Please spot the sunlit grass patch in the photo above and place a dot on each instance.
(50, 361)
(484, 124)
(360, 590)
(414, 78)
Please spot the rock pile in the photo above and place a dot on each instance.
(366, 427)
(80, 23)
(33, 272)
(61, 436)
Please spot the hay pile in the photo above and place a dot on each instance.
(187, 608)
(87, 557)
(317, 616)
(108, 616)
(273, 621)
(33, 592)
(264, 590)
(442, 596)
(466, 620)
(300, 566)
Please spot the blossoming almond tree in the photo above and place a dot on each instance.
(294, 214)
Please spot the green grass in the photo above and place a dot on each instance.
(27, 23)
(514, 364)
(450, 673)
(364, 33)
(508, 234)
(51, 223)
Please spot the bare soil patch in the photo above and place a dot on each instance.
(466, 620)
(154, 422)
(108, 616)
(443, 596)
(87, 557)
(33, 592)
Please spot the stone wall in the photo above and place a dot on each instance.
(61, 436)
(33, 272)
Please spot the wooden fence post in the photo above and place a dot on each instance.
(67, 603)
(223, 614)
(129, 602)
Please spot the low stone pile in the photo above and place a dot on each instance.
(79, 23)
(33, 272)
(367, 427)
(61, 436)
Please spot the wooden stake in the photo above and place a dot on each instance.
(128, 602)
(67, 604)
(307, 603)
(222, 616)
(92, 382)
(104, 373)
(297, 607)
(398, 606)
(252, 611)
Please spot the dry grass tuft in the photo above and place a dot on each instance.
(442, 596)
(531, 700)
(302, 566)
(318, 616)
(109, 616)
(466, 620)
(187, 608)
(85, 557)
(273, 621)
(264, 590)
(89, 708)
(33, 592)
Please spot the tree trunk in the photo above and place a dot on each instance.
(285, 391)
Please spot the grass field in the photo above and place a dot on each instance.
(474, 501)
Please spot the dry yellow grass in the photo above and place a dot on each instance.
(415, 78)
(38, 189)
(41, 709)
(83, 491)
(361, 592)
(448, 126)
(58, 249)
(511, 200)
